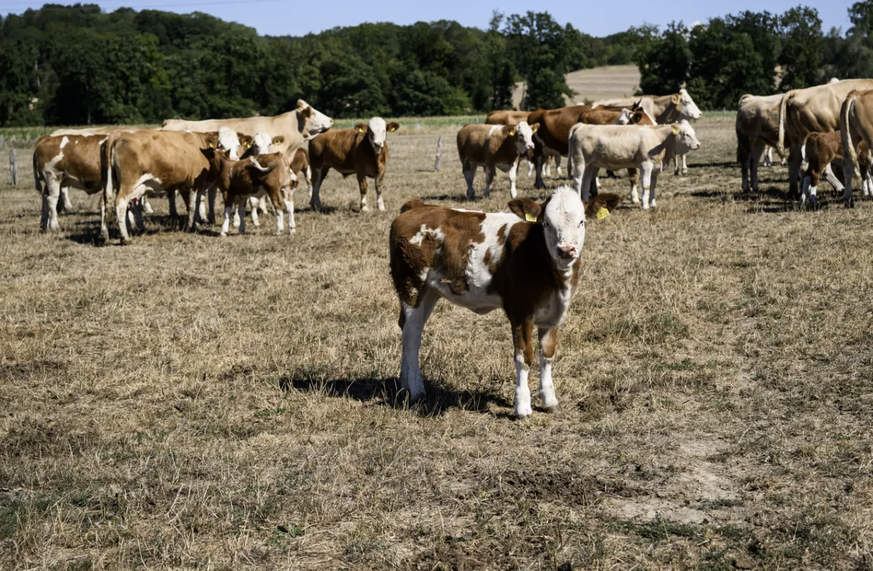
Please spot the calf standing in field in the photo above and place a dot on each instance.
(253, 177)
(593, 147)
(525, 262)
(362, 151)
(494, 147)
(819, 150)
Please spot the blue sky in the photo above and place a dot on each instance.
(293, 17)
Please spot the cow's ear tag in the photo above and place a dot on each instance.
(602, 213)
(675, 130)
(512, 133)
(530, 217)
(360, 130)
(211, 145)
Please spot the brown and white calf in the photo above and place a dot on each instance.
(61, 162)
(253, 177)
(819, 150)
(525, 262)
(494, 147)
(361, 151)
(619, 147)
(158, 162)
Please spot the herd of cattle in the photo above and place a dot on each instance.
(524, 261)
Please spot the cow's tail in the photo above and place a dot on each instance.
(36, 180)
(782, 110)
(108, 188)
(845, 132)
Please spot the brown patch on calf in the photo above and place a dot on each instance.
(549, 343)
(501, 235)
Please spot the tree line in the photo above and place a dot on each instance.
(755, 52)
(77, 65)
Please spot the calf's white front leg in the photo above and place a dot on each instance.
(523, 355)
(548, 343)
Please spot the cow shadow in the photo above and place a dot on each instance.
(387, 392)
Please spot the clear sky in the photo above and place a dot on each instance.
(599, 18)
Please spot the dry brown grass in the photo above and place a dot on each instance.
(197, 402)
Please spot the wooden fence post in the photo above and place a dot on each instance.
(439, 155)
(13, 167)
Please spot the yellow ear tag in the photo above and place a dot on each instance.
(602, 213)
(675, 130)
(530, 217)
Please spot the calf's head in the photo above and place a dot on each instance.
(523, 134)
(377, 132)
(563, 217)
(686, 139)
(310, 121)
(228, 140)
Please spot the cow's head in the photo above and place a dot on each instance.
(377, 132)
(523, 134)
(625, 118)
(310, 121)
(686, 138)
(228, 140)
(687, 108)
(562, 218)
(263, 142)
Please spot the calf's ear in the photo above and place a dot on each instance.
(676, 98)
(601, 205)
(278, 140)
(525, 208)
(361, 128)
(393, 127)
(535, 127)
(509, 131)
(675, 128)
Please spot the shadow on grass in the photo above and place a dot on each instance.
(387, 392)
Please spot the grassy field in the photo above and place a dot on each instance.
(196, 402)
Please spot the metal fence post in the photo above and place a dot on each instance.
(439, 154)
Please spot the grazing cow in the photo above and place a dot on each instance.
(297, 127)
(804, 111)
(157, 162)
(525, 262)
(757, 128)
(856, 128)
(617, 147)
(64, 161)
(819, 150)
(362, 151)
(494, 147)
(253, 177)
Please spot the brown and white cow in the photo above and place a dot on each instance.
(61, 162)
(253, 177)
(526, 262)
(361, 151)
(513, 118)
(819, 150)
(299, 168)
(296, 127)
(856, 129)
(493, 147)
(157, 162)
(618, 147)
(553, 134)
(804, 111)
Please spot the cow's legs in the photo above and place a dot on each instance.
(146, 207)
(318, 176)
(513, 173)
(768, 157)
(192, 209)
(121, 215)
(578, 174)
(228, 214)
(490, 173)
(809, 197)
(210, 216)
(744, 157)
(242, 217)
(362, 186)
(138, 210)
(548, 344)
(65, 204)
(832, 179)
(253, 204)
(523, 356)
(202, 213)
(530, 168)
(754, 162)
(289, 211)
(588, 177)
(51, 195)
(558, 165)
(634, 177)
(646, 179)
(470, 176)
(171, 203)
(380, 178)
(652, 189)
(675, 165)
(104, 228)
(412, 320)
(538, 183)
(547, 166)
(684, 164)
(794, 160)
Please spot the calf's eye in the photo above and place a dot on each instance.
(581, 224)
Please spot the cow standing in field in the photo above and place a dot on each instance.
(493, 147)
(619, 147)
(513, 118)
(819, 150)
(262, 175)
(757, 128)
(525, 262)
(157, 162)
(296, 127)
(856, 130)
(553, 134)
(804, 111)
(361, 151)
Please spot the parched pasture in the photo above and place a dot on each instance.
(196, 402)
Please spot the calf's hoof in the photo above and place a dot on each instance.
(522, 413)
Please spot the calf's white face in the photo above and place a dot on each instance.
(525, 132)
(689, 108)
(261, 144)
(228, 141)
(686, 138)
(624, 118)
(377, 131)
(564, 226)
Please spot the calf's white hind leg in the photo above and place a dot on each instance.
(412, 320)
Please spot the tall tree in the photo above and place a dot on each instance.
(802, 46)
(665, 61)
